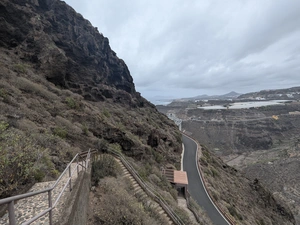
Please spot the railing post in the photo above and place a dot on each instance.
(50, 206)
(70, 178)
(11, 213)
(77, 165)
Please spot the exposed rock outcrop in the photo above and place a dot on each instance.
(65, 47)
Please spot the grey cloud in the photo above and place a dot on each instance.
(207, 46)
(278, 20)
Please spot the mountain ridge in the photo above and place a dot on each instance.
(229, 95)
(282, 93)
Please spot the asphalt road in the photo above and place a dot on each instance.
(195, 186)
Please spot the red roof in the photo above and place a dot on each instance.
(180, 177)
(175, 176)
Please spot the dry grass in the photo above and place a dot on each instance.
(112, 202)
(241, 199)
(61, 123)
(34, 88)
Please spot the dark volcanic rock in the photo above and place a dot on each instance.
(68, 50)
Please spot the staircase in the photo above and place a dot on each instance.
(142, 195)
(153, 195)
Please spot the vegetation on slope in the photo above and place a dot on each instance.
(119, 204)
(241, 198)
(62, 91)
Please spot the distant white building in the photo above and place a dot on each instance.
(260, 98)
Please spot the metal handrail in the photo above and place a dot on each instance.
(149, 190)
(10, 200)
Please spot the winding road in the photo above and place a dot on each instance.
(195, 186)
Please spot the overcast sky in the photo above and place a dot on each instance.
(176, 48)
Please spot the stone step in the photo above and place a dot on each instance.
(156, 206)
(138, 191)
(137, 188)
(161, 211)
(142, 195)
(127, 175)
(123, 167)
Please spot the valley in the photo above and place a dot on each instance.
(261, 142)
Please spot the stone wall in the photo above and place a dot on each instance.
(76, 208)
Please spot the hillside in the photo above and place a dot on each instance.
(62, 91)
(247, 201)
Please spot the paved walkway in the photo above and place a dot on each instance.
(29, 207)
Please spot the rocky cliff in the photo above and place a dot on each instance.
(64, 47)
(62, 91)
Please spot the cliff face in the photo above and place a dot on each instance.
(65, 47)
(62, 91)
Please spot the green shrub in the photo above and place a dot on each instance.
(3, 126)
(232, 210)
(157, 156)
(145, 171)
(19, 68)
(85, 130)
(106, 113)
(106, 165)
(174, 193)
(54, 173)
(102, 145)
(38, 175)
(60, 132)
(18, 157)
(215, 195)
(116, 146)
(72, 103)
(3, 93)
(214, 172)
